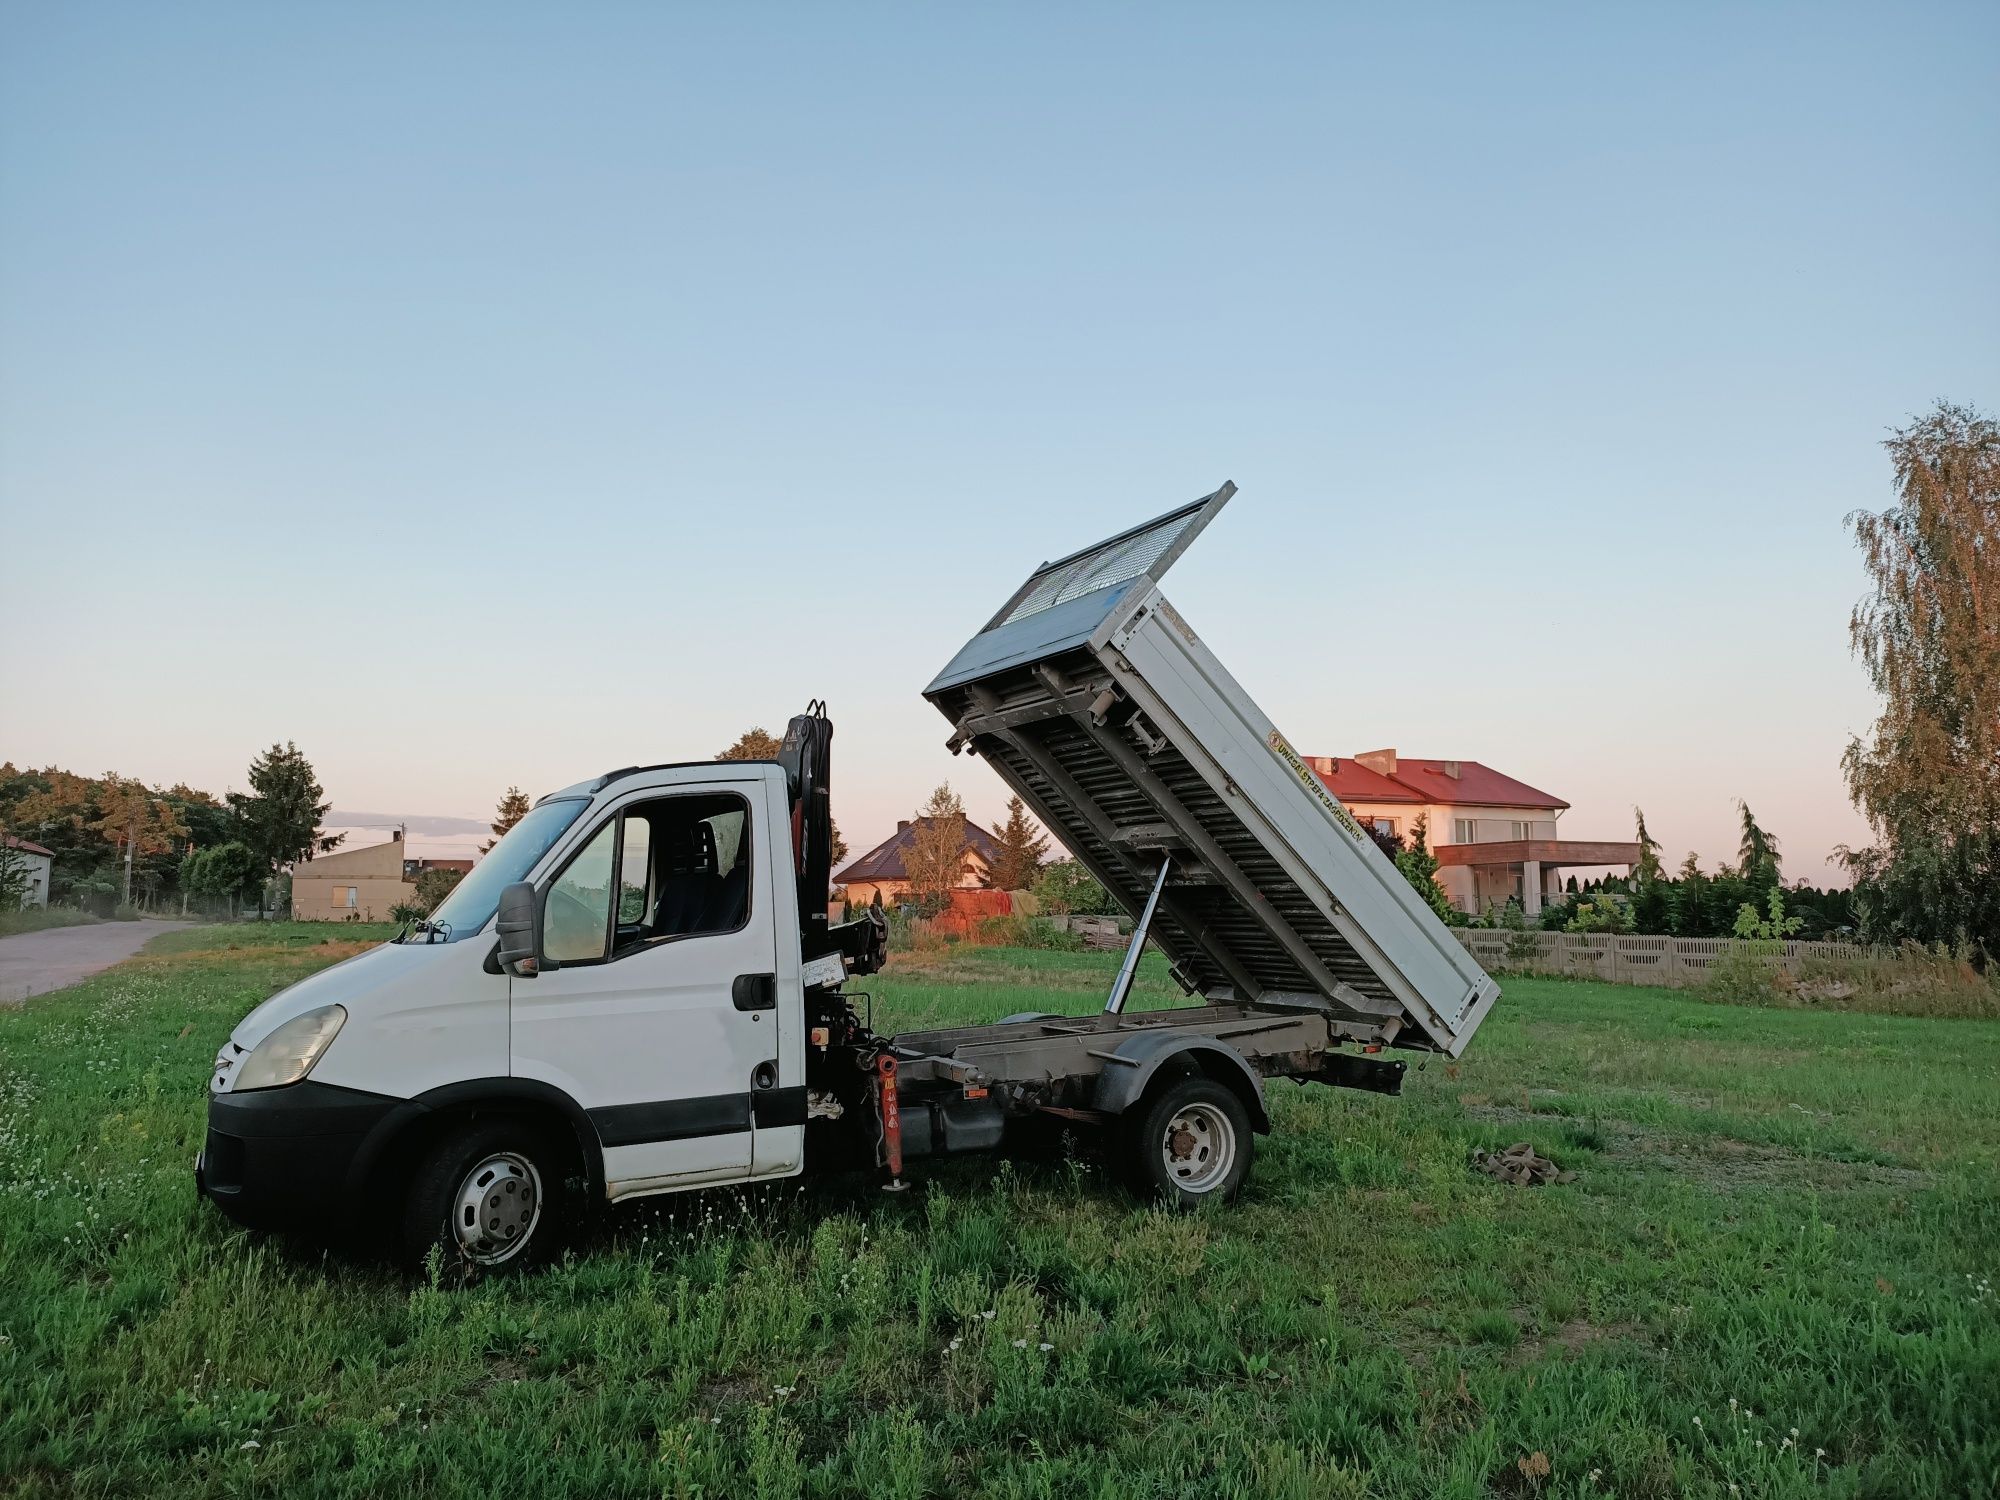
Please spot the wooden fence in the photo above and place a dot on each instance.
(1668, 961)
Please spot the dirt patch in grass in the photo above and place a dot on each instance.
(729, 1391)
(1723, 1162)
(1731, 1165)
(1573, 1337)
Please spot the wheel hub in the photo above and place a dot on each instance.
(496, 1208)
(1199, 1148)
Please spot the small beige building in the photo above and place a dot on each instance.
(351, 885)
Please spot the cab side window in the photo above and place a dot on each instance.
(700, 868)
(672, 867)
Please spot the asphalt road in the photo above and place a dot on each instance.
(33, 963)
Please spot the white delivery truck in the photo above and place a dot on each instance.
(637, 991)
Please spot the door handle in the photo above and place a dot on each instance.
(754, 992)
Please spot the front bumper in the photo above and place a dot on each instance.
(295, 1157)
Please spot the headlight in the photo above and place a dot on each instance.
(288, 1054)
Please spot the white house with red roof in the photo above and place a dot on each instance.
(1494, 837)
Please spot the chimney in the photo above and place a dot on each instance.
(1451, 769)
(1324, 764)
(902, 825)
(1381, 762)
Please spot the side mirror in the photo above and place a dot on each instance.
(519, 926)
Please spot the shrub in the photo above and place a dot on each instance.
(1066, 888)
(1419, 866)
(432, 887)
(1027, 932)
(1522, 948)
(1603, 912)
(1773, 928)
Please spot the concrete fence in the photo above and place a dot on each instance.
(1098, 932)
(1668, 961)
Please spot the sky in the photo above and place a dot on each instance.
(495, 394)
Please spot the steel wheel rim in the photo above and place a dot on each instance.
(496, 1209)
(1198, 1148)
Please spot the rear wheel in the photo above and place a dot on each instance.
(489, 1197)
(1190, 1143)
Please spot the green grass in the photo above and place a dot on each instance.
(1794, 1212)
(42, 918)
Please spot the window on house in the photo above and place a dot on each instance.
(353, 897)
(1520, 830)
(1464, 831)
(1384, 825)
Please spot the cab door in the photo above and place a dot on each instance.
(660, 1015)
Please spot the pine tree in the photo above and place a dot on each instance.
(281, 812)
(1022, 845)
(1690, 917)
(1420, 867)
(513, 807)
(1757, 853)
(1648, 869)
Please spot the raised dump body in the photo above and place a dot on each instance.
(1095, 700)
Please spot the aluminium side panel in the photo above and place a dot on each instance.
(1159, 662)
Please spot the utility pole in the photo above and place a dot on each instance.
(131, 837)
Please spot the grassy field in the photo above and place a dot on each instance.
(1773, 1276)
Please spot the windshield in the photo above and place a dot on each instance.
(472, 902)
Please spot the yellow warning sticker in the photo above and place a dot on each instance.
(1312, 783)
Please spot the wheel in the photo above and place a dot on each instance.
(489, 1196)
(1190, 1143)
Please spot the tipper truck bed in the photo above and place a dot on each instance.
(637, 991)
(1096, 701)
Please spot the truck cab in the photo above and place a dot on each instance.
(653, 1040)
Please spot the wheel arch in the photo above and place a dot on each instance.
(1141, 1063)
(396, 1142)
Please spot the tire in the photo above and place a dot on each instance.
(1189, 1143)
(490, 1197)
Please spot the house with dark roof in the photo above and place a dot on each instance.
(1494, 837)
(880, 871)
